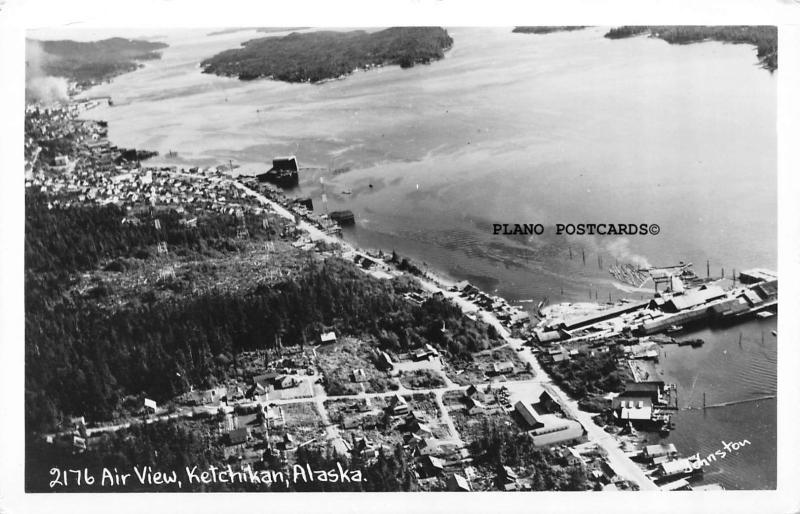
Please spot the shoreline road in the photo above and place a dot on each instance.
(619, 462)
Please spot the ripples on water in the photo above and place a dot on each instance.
(728, 372)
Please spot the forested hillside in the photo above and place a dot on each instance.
(87, 356)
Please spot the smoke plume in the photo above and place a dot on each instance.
(40, 87)
(620, 250)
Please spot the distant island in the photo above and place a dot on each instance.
(547, 29)
(765, 38)
(257, 29)
(89, 63)
(316, 56)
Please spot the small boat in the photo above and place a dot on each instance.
(347, 191)
(674, 328)
(775, 333)
(764, 314)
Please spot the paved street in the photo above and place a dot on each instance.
(621, 464)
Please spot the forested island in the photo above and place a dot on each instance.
(764, 37)
(87, 63)
(316, 56)
(547, 29)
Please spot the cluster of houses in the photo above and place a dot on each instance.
(74, 158)
(508, 315)
(430, 455)
(57, 142)
(139, 187)
(234, 393)
(673, 472)
(302, 208)
(248, 435)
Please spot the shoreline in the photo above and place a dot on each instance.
(431, 278)
(434, 283)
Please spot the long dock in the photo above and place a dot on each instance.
(735, 402)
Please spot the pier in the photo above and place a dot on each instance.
(734, 402)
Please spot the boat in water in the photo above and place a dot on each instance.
(343, 218)
(694, 343)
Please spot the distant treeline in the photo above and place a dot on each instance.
(95, 61)
(547, 29)
(316, 56)
(764, 37)
(84, 356)
(267, 30)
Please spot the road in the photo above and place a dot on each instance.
(619, 462)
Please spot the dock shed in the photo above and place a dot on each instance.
(288, 163)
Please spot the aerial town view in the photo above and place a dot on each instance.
(401, 259)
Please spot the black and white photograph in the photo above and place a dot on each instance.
(360, 257)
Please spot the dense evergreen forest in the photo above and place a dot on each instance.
(86, 356)
(94, 61)
(316, 56)
(765, 38)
